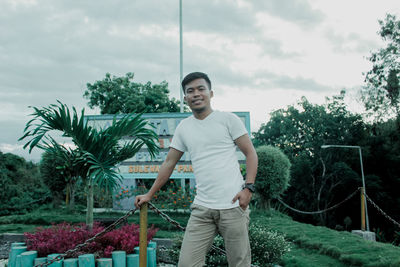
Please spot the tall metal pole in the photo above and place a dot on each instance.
(364, 192)
(180, 54)
(181, 72)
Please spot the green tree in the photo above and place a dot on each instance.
(305, 127)
(300, 131)
(382, 173)
(61, 168)
(100, 149)
(273, 174)
(21, 185)
(382, 90)
(114, 95)
(51, 175)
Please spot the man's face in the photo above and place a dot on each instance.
(198, 95)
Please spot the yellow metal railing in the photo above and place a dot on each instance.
(143, 236)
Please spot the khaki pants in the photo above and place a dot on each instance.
(203, 226)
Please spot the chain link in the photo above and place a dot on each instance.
(166, 217)
(381, 211)
(80, 246)
(320, 211)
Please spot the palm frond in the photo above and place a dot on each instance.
(103, 173)
(98, 150)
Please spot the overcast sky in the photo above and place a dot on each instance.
(261, 55)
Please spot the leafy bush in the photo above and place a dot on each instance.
(267, 247)
(62, 237)
(213, 258)
(273, 173)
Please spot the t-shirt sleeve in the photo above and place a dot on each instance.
(177, 140)
(236, 126)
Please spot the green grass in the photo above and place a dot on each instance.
(168, 234)
(27, 222)
(303, 257)
(46, 217)
(348, 248)
(312, 245)
(17, 228)
(160, 223)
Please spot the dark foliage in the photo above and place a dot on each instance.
(21, 185)
(322, 178)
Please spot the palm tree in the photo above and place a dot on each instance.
(69, 167)
(100, 150)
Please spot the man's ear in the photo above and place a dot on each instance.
(211, 93)
(184, 99)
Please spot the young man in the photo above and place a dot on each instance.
(220, 205)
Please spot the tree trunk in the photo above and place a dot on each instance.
(322, 216)
(72, 197)
(89, 210)
(67, 193)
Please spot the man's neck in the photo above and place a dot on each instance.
(202, 114)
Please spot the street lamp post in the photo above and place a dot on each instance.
(364, 210)
(181, 70)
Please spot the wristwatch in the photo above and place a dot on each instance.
(250, 186)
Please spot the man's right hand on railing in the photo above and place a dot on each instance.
(141, 199)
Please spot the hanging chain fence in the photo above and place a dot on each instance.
(382, 212)
(320, 211)
(340, 203)
(114, 225)
(180, 227)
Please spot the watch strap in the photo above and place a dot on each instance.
(250, 186)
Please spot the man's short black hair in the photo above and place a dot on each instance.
(193, 76)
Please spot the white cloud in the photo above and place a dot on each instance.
(10, 147)
(261, 55)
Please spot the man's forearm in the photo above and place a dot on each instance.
(251, 167)
(163, 175)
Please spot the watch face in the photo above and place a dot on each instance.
(250, 187)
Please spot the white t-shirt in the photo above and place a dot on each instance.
(210, 143)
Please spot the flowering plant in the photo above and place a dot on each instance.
(267, 246)
(62, 237)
